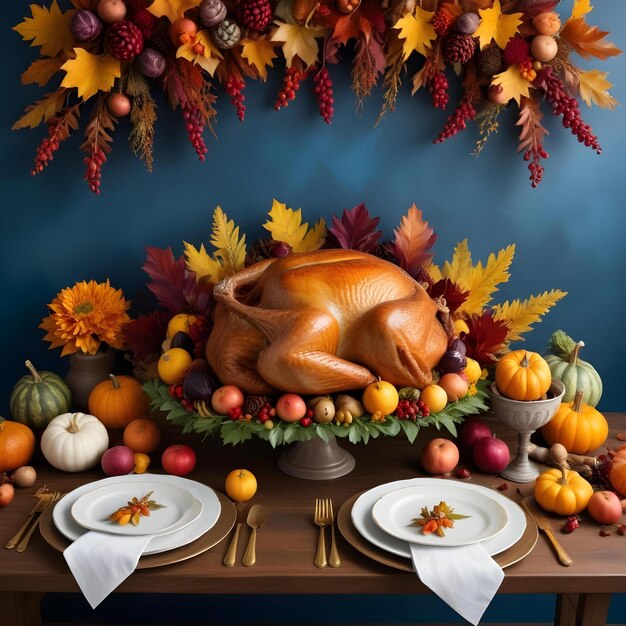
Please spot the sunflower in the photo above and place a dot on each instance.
(86, 315)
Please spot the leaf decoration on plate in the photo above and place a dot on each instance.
(436, 520)
(134, 510)
(356, 229)
(413, 241)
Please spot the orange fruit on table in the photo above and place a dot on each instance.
(472, 370)
(142, 435)
(142, 463)
(435, 397)
(241, 485)
(380, 396)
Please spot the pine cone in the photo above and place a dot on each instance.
(490, 60)
(227, 34)
(253, 405)
(254, 14)
(458, 48)
(211, 12)
(124, 40)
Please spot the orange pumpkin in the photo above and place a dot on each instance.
(617, 475)
(577, 426)
(118, 401)
(562, 491)
(523, 375)
(17, 445)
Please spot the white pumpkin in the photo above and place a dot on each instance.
(74, 442)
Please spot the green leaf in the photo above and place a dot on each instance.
(410, 428)
(323, 432)
(448, 423)
(276, 436)
(353, 434)
(340, 431)
(291, 433)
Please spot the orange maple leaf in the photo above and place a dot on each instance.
(588, 41)
(349, 26)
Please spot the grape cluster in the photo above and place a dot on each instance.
(94, 167)
(323, 91)
(411, 409)
(307, 420)
(567, 107)
(573, 522)
(457, 122)
(194, 127)
(46, 150)
(234, 87)
(438, 88)
(266, 412)
(536, 169)
(176, 391)
(291, 84)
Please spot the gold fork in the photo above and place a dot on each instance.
(23, 544)
(333, 559)
(42, 502)
(321, 519)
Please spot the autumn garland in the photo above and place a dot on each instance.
(113, 52)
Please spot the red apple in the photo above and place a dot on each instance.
(178, 459)
(290, 407)
(6, 494)
(439, 456)
(491, 454)
(471, 431)
(604, 507)
(117, 461)
(225, 398)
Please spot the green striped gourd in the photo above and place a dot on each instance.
(39, 397)
(575, 373)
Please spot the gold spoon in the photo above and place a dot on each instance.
(256, 517)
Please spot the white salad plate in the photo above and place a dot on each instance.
(211, 508)
(178, 508)
(397, 513)
(362, 520)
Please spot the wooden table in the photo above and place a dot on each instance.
(287, 542)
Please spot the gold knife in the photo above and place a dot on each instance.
(231, 554)
(543, 522)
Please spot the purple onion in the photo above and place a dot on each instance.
(467, 23)
(452, 361)
(459, 346)
(151, 63)
(85, 25)
(280, 249)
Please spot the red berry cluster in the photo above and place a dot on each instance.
(457, 122)
(536, 169)
(194, 127)
(323, 91)
(234, 87)
(236, 414)
(322, 10)
(566, 107)
(94, 164)
(438, 87)
(291, 84)
(411, 409)
(266, 412)
(442, 22)
(601, 470)
(307, 420)
(176, 391)
(573, 522)
(46, 149)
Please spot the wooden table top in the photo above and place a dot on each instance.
(287, 542)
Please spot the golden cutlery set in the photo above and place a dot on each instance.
(45, 498)
(254, 519)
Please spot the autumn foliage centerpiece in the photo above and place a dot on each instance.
(432, 366)
(108, 57)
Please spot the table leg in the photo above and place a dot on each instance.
(20, 608)
(584, 609)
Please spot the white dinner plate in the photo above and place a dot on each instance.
(62, 516)
(397, 512)
(362, 518)
(178, 508)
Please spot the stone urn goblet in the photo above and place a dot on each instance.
(525, 417)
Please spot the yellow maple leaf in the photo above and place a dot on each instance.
(417, 31)
(484, 281)
(581, 8)
(513, 84)
(298, 41)
(259, 52)
(202, 51)
(231, 249)
(497, 26)
(203, 264)
(286, 225)
(520, 315)
(90, 73)
(434, 271)
(41, 71)
(42, 110)
(49, 29)
(172, 9)
(459, 269)
(594, 86)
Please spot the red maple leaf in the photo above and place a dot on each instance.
(143, 336)
(486, 337)
(453, 294)
(356, 230)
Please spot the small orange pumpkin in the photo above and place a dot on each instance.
(173, 365)
(118, 401)
(617, 476)
(17, 445)
(577, 426)
(523, 375)
(562, 491)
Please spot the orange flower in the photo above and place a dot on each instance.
(86, 315)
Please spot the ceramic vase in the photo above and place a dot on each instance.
(86, 371)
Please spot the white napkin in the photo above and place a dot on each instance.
(464, 577)
(102, 561)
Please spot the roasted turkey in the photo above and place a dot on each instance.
(324, 321)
